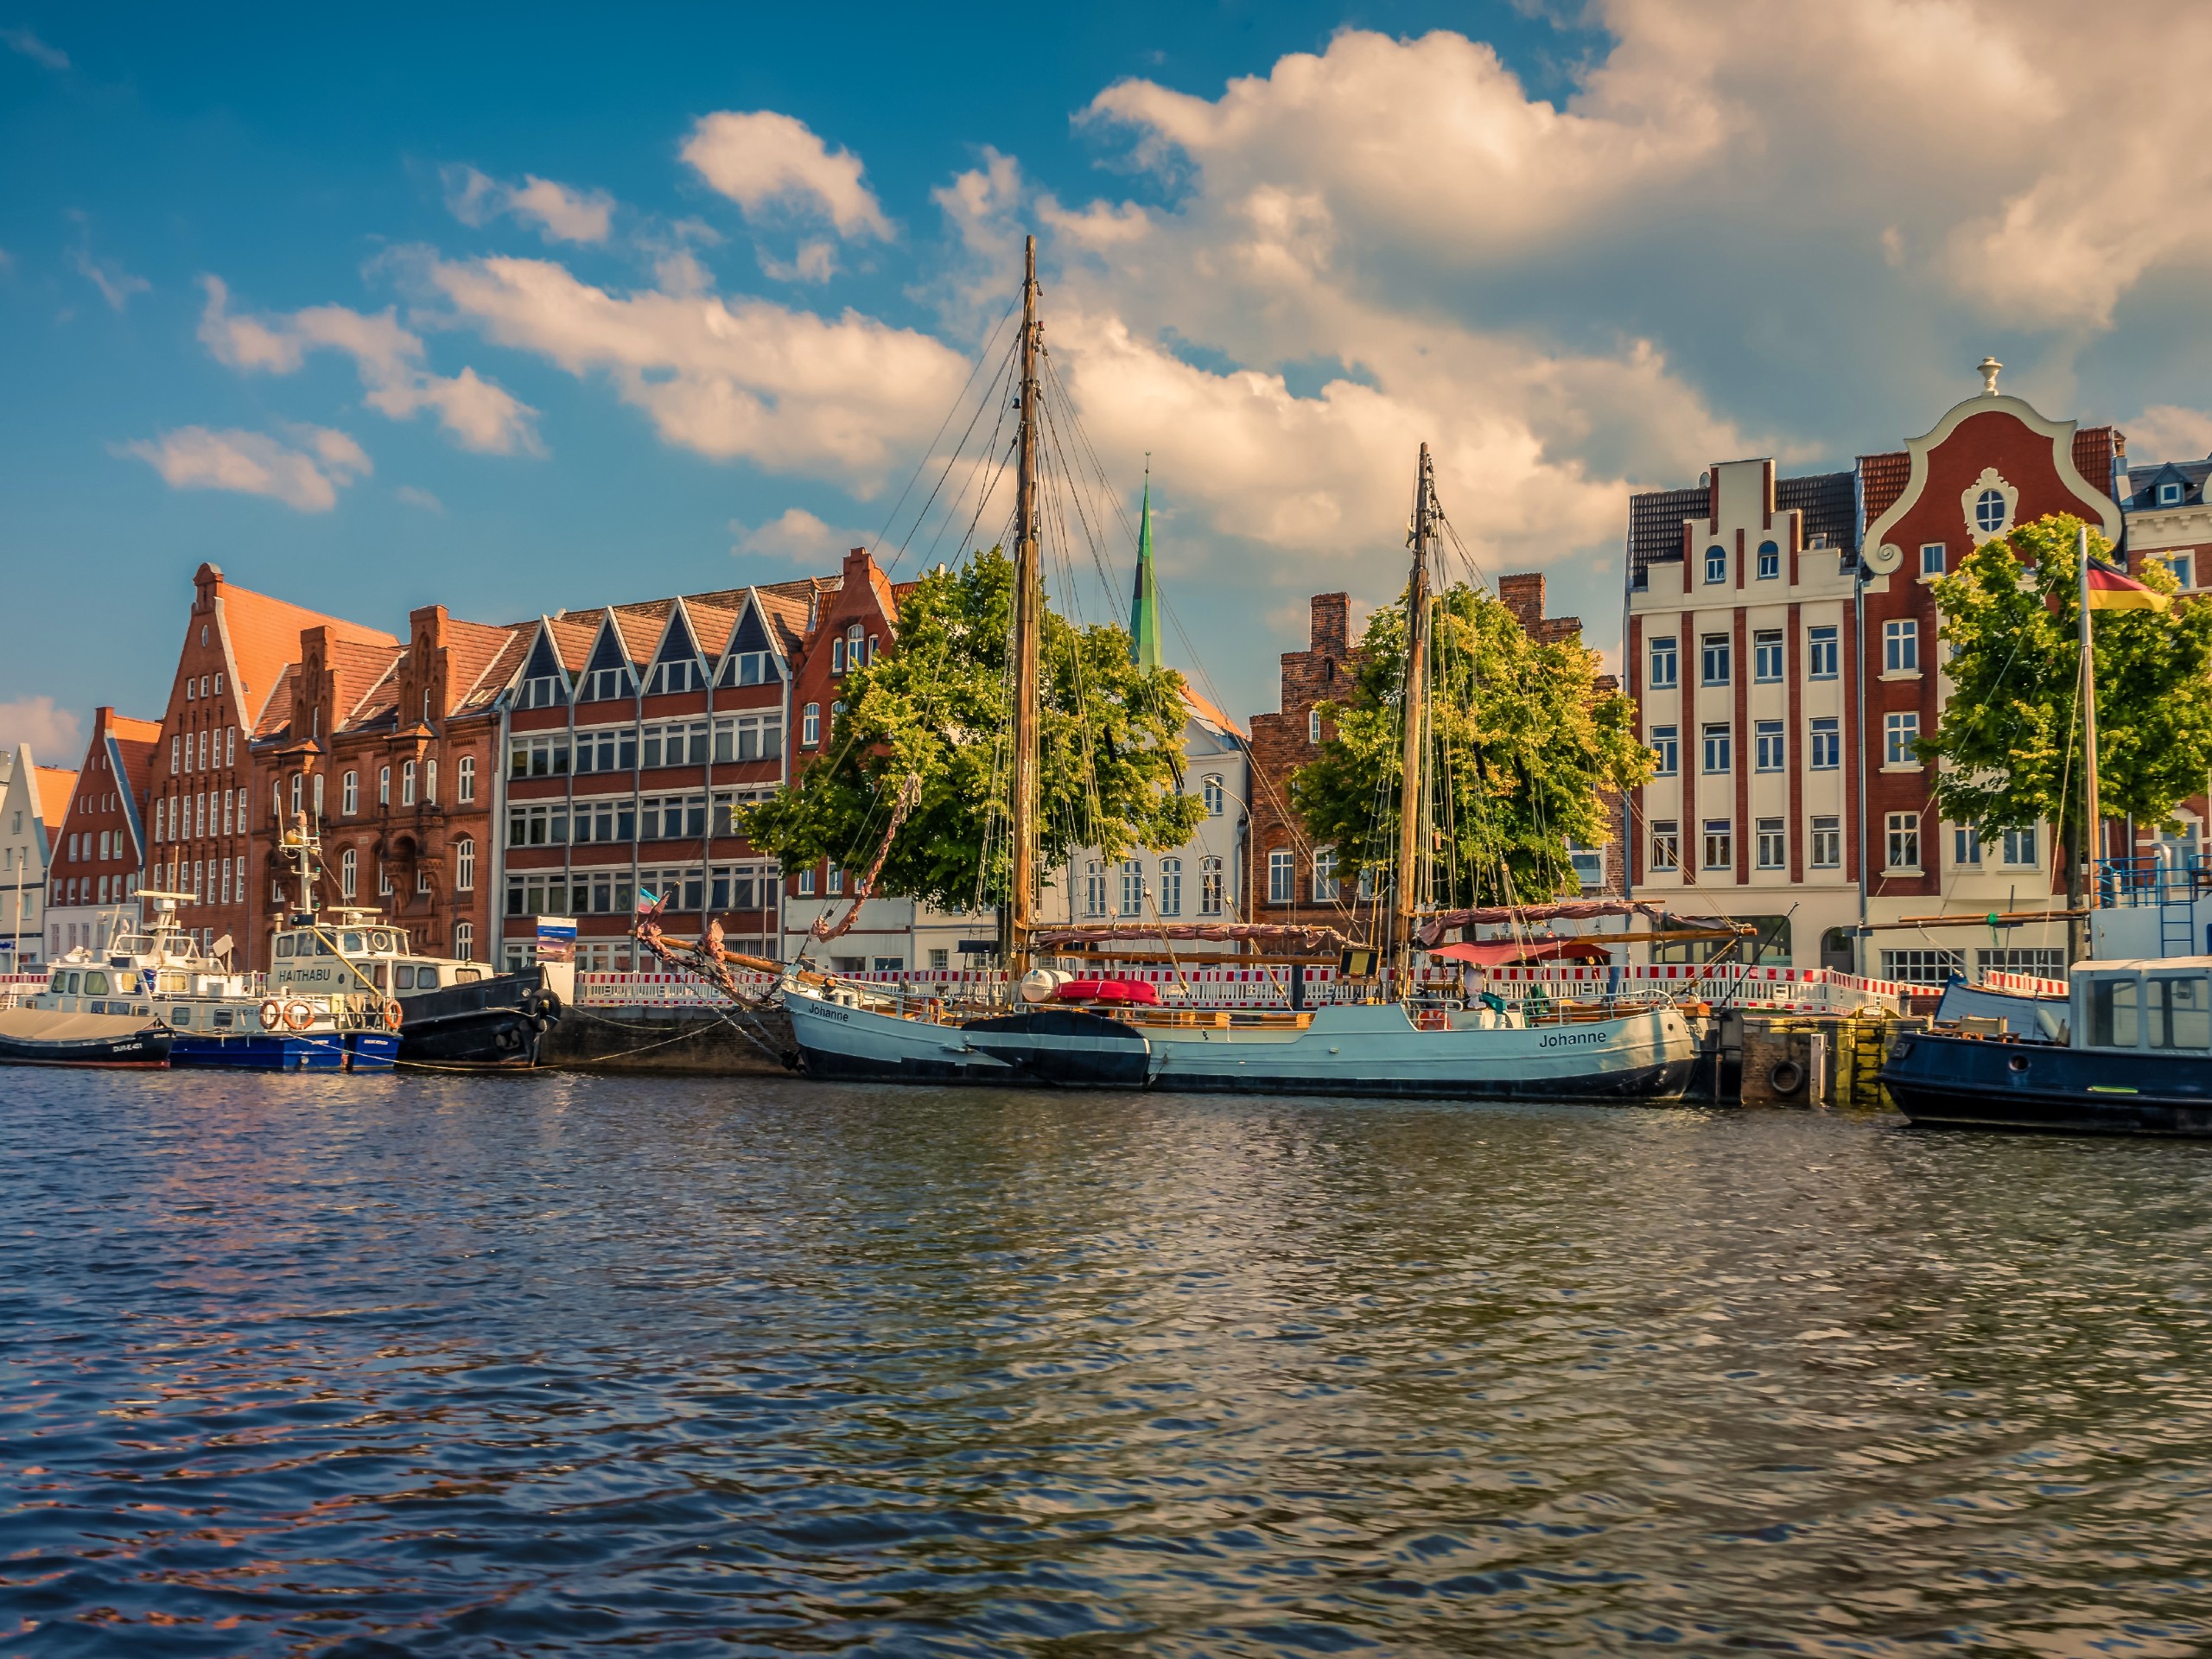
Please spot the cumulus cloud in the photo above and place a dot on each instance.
(2168, 432)
(29, 45)
(561, 214)
(799, 536)
(766, 162)
(56, 735)
(845, 398)
(306, 474)
(479, 415)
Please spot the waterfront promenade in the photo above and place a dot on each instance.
(442, 1366)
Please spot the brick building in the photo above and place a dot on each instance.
(233, 679)
(1781, 647)
(101, 851)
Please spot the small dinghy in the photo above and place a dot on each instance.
(51, 1037)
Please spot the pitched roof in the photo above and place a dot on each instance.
(264, 638)
(2142, 483)
(276, 713)
(56, 785)
(1655, 527)
(1883, 477)
(1829, 502)
(1206, 710)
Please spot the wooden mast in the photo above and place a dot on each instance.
(1028, 600)
(1412, 793)
(2092, 809)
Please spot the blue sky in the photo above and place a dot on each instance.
(539, 308)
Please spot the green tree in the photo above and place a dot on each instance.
(940, 707)
(1521, 740)
(2008, 742)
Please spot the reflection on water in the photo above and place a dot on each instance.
(435, 1367)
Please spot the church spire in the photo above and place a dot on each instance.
(1144, 607)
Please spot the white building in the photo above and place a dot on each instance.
(33, 802)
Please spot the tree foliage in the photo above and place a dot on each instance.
(940, 707)
(2009, 741)
(1521, 740)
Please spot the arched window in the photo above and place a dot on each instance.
(1171, 886)
(464, 941)
(1769, 562)
(1216, 797)
(318, 794)
(349, 794)
(349, 872)
(430, 782)
(1132, 887)
(1282, 876)
(407, 783)
(468, 778)
(810, 725)
(464, 865)
(1210, 887)
(1314, 726)
(297, 800)
(384, 785)
(1716, 563)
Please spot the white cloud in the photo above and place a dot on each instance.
(56, 735)
(562, 214)
(763, 161)
(418, 498)
(22, 41)
(307, 478)
(847, 397)
(798, 535)
(478, 414)
(2168, 432)
(116, 284)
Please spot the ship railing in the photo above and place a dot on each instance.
(16, 989)
(2166, 876)
(1773, 990)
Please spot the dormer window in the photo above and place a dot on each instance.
(2169, 494)
(608, 683)
(541, 692)
(748, 668)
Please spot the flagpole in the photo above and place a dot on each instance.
(2096, 836)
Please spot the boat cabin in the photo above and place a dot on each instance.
(359, 953)
(2158, 1005)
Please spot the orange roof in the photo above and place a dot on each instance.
(1207, 711)
(56, 785)
(264, 638)
(135, 740)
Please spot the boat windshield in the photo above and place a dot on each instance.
(352, 944)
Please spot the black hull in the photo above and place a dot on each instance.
(1117, 1058)
(147, 1049)
(1947, 1081)
(496, 1023)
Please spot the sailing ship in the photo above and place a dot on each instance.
(1403, 1046)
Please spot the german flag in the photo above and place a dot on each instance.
(2110, 589)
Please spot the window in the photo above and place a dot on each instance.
(349, 868)
(853, 638)
(1132, 887)
(1904, 841)
(1716, 563)
(838, 654)
(1932, 558)
(464, 865)
(1589, 864)
(383, 786)
(1171, 886)
(464, 941)
(941, 957)
(1211, 896)
(806, 884)
(749, 668)
(2044, 961)
(1094, 888)
(837, 878)
(298, 804)
(1769, 562)
(1719, 844)
(1324, 876)
(2183, 565)
(2179, 1014)
(1966, 844)
(1766, 657)
(607, 683)
(430, 782)
(1666, 750)
(1665, 664)
(2113, 1014)
(1922, 967)
(1314, 726)
(1820, 653)
(407, 783)
(1900, 648)
(468, 778)
(1282, 877)
(1826, 847)
(542, 692)
(349, 793)
(1989, 512)
(1717, 748)
(810, 725)
(1827, 743)
(1770, 746)
(2169, 494)
(1216, 797)
(176, 744)
(1899, 733)
(384, 880)
(610, 748)
(1712, 660)
(2020, 849)
(750, 737)
(1771, 845)
(680, 675)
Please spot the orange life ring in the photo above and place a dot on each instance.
(391, 1014)
(298, 1016)
(272, 1014)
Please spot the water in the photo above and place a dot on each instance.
(534, 1365)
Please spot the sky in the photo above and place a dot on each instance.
(515, 310)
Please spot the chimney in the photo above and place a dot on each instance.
(1331, 628)
(1522, 595)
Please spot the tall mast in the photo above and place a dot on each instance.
(1413, 793)
(1029, 597)
(2095, 828)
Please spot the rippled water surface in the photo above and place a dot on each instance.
(529, 1365)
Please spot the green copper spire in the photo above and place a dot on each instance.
(1144, 608)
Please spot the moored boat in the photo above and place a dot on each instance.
(31, 1035)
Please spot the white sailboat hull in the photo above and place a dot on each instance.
(1371, 1049)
